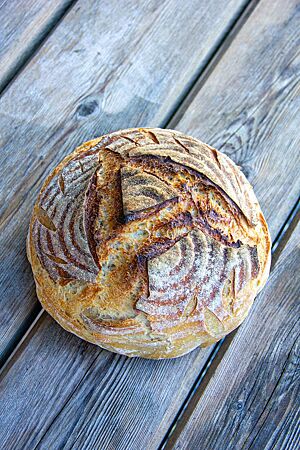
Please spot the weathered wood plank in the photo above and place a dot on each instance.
(109, 401)
(73, 394)
(253, 399)
(248, 108)
(23, 27)
(108, 65)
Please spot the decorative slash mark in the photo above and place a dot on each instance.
(215, 156)
(151, 136)
(56, 259)
(81, 165)
(181, 145)
(130, 140)
(61, 184)
(44, 219)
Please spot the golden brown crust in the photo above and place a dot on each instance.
(148, 243)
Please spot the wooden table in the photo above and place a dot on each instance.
(225, 71)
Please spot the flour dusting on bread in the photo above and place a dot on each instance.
(148, 243)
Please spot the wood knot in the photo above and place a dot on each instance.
(87, 108)
(237, 406)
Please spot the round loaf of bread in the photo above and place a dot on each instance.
(148, 243)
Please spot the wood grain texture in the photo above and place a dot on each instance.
(108, 65)
(253, 399)
(77, 395)
(23, 26)
(109, 401)
(248, 107)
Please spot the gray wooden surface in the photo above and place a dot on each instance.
(258, 405)
(24, 25)
(89, 78)
(60, 392)
(249, 106)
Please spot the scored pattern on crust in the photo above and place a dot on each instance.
(165, 228)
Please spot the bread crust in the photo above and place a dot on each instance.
(149, 243)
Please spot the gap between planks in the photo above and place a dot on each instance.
(222, 346)
(172, 117)
(215, 55)
(34, 47)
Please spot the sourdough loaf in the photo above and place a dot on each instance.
(148, 243)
